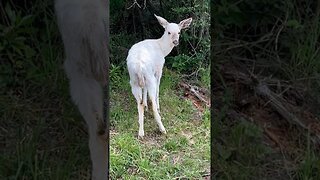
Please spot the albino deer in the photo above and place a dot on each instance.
(145, 62)
(82, 24)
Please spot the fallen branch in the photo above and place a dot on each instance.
(264, 91)
(193, 90)
(280, 105)
(198, 95)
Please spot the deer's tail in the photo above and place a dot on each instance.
(141, 78)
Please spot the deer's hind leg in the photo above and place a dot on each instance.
(158, 79)
(152, 91)
(137, 93)
(145, 98)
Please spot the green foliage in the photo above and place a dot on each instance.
(24, 39)
(194, 46)
(292, 49)
(14, 46)
(205, 77)
(242, 153)
(248, 12)
(195, 41)
(115, 75)
(182, 62)
(115, 6)
(310, 165)
(120, 44)
(302, 42)
(171, 145)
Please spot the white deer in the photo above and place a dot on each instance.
(145, 62)
(83, 26)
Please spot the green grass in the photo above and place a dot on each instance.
(42, 138)
(309, 168)
(240, 152)
(183, 152)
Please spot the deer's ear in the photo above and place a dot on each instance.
(162, 21)
(185, 23)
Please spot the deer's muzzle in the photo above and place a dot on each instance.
(176, 42)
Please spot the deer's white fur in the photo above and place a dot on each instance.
(82, 24)
(145, 62)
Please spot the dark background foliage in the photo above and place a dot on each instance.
(131, 24)
(265, 57)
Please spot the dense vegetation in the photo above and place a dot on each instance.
(130, 24)
(266, 85)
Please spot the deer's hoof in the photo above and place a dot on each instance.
(141, 134)
(163, 131)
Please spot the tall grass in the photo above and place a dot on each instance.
(304, 47)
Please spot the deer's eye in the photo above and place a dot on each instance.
(169, 32)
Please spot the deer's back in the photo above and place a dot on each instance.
(147, 52)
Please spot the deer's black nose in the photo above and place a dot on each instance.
(176, 42)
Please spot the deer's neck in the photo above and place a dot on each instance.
(165, 45)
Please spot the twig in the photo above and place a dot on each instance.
(273, 137)
(263, 90)
(279, 105)
(198, 95)
(278, 95)
(277, 36)
(188, 75)
(134, 3)
(192, 89)
(260, 40)
(145, 4)
(137, 4)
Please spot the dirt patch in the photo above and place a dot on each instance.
(132, 170)
(152, 140)
(188, 135)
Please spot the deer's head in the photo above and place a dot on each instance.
(172, 30)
